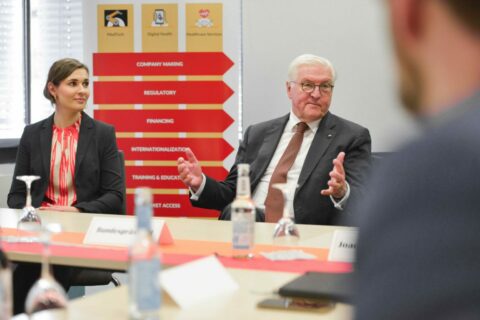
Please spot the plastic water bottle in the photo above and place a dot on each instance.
(243, 216)
(145, 296)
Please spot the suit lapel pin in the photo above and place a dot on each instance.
(329, 135)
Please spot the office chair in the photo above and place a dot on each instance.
(94, 277)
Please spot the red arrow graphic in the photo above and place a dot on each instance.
(166, 120)
(161, 92)
(205, 149)
(159, 64)
(164, 177)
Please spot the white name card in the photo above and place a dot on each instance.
(343, 246)
(203, 280)
(120, 231)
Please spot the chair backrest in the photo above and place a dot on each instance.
(121, 158)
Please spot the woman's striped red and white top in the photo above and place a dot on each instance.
(61, 189)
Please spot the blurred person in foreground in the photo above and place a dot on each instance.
(319, 189)
(419, 243)
(76, 158)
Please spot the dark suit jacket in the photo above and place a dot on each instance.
(419, 243)
(334, 134)
(98, 179)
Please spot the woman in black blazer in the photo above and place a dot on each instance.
(97, 179)
(76, 158)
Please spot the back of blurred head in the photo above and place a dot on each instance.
(437, 44)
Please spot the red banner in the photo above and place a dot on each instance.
(164, 177)
(155, 64)
(173, 206)
(207, 149)
(160, 92)
(165, 120)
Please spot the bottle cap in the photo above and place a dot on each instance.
(143, 196)
(143, 207)
(243, 168)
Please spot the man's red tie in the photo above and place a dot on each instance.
(274, 200)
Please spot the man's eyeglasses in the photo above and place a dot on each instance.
(309, 87)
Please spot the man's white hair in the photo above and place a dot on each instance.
(308, 60)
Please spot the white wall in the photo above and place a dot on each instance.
(6, 168)
(353, 34)
(5, 182)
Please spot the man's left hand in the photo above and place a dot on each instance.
(337, 186)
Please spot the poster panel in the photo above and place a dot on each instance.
(166, 76)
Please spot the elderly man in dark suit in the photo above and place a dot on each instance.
(323, 138)
(419, 242)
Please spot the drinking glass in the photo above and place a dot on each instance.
(30, 219)
(286, 232)
(46, 293)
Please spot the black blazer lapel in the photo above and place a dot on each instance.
(46, 134)
(324, 136)
(86, 134)
(267, 149)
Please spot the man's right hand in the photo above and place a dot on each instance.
(190, 171)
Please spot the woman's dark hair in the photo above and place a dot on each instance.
(468, 11)
(59, 71)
